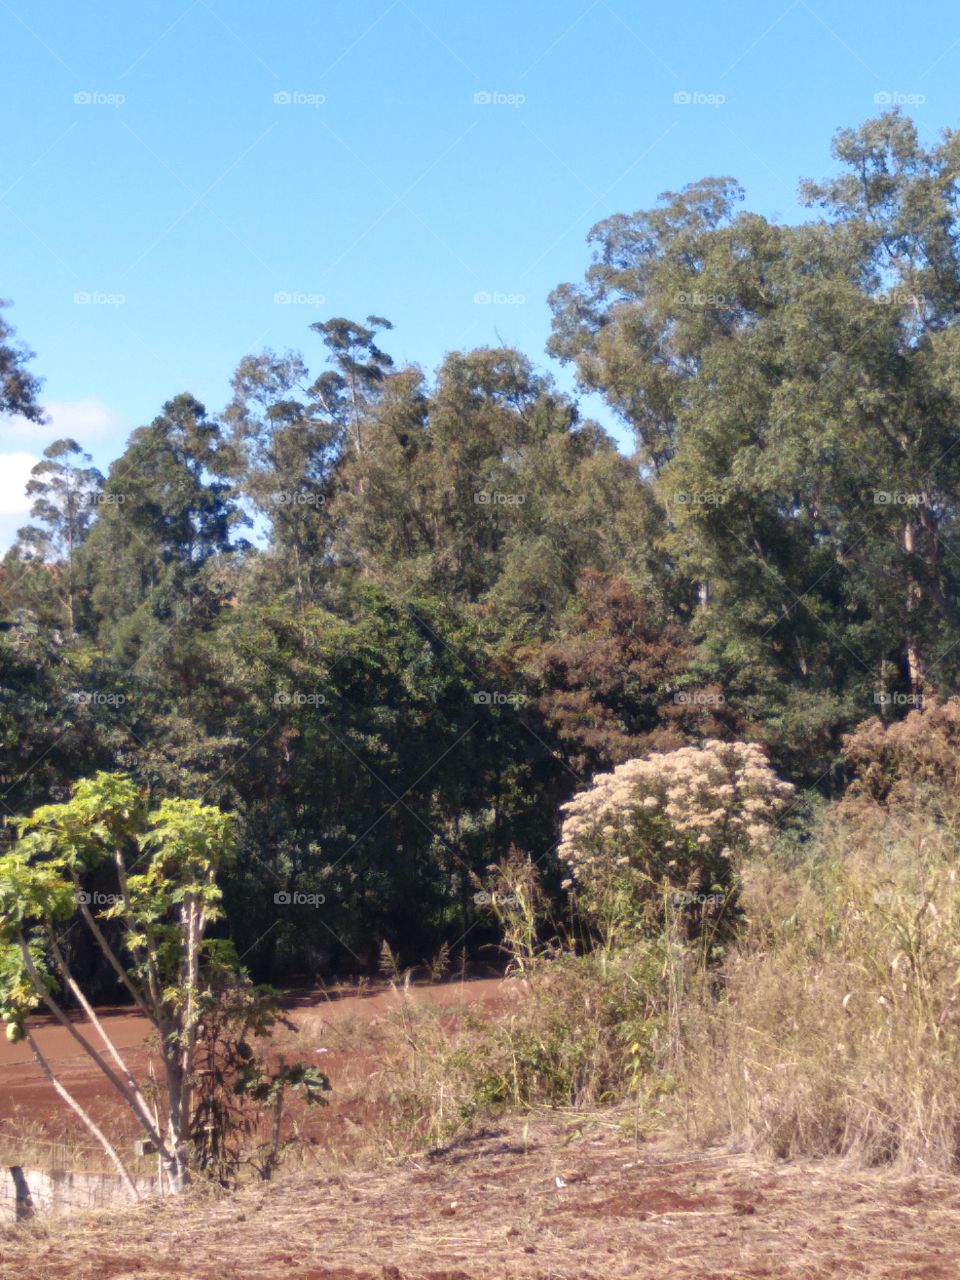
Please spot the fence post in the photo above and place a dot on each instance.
(24, 1204)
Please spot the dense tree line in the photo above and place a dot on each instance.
(393, 621)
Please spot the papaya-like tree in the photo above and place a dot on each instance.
(163, 863)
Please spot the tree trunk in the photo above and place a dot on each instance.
(176, 1164)
(914, 659)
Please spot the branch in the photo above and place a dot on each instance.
(61, 1017)
(136, 1096)
(71, 1102)
(109, 952)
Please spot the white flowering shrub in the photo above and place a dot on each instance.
(657, 841)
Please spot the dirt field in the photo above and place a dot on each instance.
(554, 1203)
(560, 1198)
(27, 1101)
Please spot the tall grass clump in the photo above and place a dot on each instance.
(837, 1031)
(575, 1032)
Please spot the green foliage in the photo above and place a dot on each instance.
(459, 601)
(104, 813)
(788, 388)
(19, 388)
(18, 996)
(65, 495)
(162, 522)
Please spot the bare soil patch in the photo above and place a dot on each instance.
(323, 1019)
(557, 1200)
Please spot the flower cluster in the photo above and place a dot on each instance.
(674, 819)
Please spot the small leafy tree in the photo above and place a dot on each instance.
(163, 863)
(236, 1091)
(658, 839)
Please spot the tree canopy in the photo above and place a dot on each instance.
(390, 620)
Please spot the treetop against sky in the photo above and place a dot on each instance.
(235, 172)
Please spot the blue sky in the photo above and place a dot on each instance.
(183, 183)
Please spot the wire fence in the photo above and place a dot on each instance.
(28, 1140)
(25, 1193)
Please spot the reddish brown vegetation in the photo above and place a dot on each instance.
(909, 763)
(611, 675)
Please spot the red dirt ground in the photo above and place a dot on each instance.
(557, 1201)
(552, 1198)
(27, 1100)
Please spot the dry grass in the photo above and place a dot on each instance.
(34, 1144)
(833, 1031)
(26, 1141)
(491, 1207)
(575, 1032)
(839, 1031)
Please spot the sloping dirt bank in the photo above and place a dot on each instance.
(27, 1098)
(554, 1201)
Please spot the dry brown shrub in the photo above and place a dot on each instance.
(838, 1031)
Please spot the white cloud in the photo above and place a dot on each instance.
(91, 422)
(14, 474)
(85, 420)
